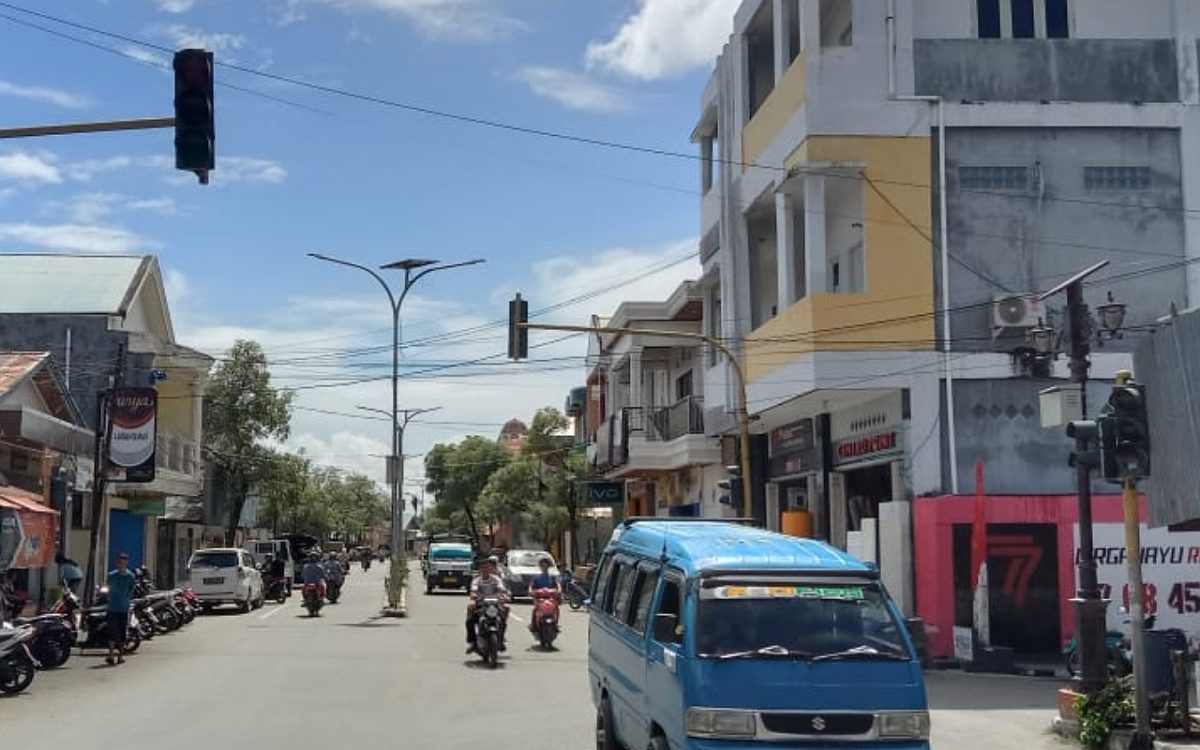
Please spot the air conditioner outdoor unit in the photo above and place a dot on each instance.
(1016, 311)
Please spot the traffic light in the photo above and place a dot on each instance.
(731, 488)
(1130, 430)
(518, 335)
(195, 130)
(1098, 454)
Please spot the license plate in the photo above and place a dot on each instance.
(214, 580)
(450, 579)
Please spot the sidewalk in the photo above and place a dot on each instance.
(999, 712)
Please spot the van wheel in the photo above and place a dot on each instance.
(606, 738)
(658, 742)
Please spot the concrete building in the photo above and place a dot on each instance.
(885, 185)
(86, 310)
(649, 419)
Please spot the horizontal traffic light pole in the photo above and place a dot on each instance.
(104, 126)
(743, 413)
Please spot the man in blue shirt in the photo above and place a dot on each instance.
(119, 602)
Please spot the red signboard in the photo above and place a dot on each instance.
(867, 446)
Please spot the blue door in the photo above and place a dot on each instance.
(126, 533)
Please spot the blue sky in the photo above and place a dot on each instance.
(371, 183)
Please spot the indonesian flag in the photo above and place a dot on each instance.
(978, 530)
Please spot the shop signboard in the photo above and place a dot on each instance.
(131, 444)
(26, 539)
(792, 438)
(1170, 575)
(605, 493)
(867, 446)
(148, 506)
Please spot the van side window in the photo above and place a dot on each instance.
(600, 587)
(640, 615)
(671, 603)
(623, 592)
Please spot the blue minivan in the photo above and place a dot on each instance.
(711, 635)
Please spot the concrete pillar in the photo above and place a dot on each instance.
(896, 554)
(785, 248)
(814, 235)
(706, 164)
(635, 379)
(783, 19)
(810, 27)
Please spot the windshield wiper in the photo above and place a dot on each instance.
(861, 652)
(774, 650)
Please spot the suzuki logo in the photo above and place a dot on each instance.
(818, 724)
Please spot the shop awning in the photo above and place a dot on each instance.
(28, 529)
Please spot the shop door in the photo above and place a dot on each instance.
(126, 533)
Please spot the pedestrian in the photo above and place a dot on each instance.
(120, 599)
(69, 573)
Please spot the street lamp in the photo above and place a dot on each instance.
(396, 463)
(414, 270)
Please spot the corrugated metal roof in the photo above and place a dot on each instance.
(46, 283)
(19, 499)
(16, 366)
(705, 545)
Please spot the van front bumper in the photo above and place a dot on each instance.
(693, 743)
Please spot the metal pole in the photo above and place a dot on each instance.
(108, 126)
(1089, 606)
(1142, 738)
(397, 459)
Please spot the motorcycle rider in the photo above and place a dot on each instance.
(487, 584)
(544, 580)
(333, 570)
(314, 572)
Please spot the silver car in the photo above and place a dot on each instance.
(521, 567)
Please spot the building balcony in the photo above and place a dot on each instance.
(178, 467)
(662, 439)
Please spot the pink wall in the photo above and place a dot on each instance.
(933, 543)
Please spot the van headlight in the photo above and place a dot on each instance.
(904, 725)
(721, 723)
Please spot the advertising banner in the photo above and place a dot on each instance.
(132, 413)
(10, 537)
(26, 539)
(1170, 575)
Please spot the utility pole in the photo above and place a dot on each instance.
(100, 474)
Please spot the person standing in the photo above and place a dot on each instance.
(118, 604)
(69, 573)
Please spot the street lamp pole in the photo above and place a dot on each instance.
(400, 419)
(421, 268)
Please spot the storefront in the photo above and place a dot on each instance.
(867, 449)
(796, 500)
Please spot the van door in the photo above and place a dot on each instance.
(663, 683)
(633, 626)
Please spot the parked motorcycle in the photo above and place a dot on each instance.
(489, 628)
(575, 593)
(1117, 647)
(314, 598)
(53, 637)
(93, 624)
(17, 664)
(545, 616)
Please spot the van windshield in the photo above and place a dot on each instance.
(819, 621)
(451, 553)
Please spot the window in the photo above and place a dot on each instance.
(671, 603)
(600, 589)
(1117, 178)
(989, 18)
(714, 322)
(683, 386)
(1023, 26)
(993, 178)
(622, 592)
(1058, 22)
(640, 614)
(77, 514)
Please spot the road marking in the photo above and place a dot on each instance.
(265, 615)
(516, 617)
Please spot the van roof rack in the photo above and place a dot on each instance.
(689, 519)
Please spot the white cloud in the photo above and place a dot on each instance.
(80, 238)
(56, 97)
(177, 286)
(248, 169)
(572, 90)
(454, 20)
(21, 166)
(91, 207)
(221, 44)
(175, 6)
(142, 54)
(666, 38)
(155, 205)
(230, 169)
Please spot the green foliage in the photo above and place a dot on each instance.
(397, 580)
(241, 412)
(542, 441)
(509, 491)
(457, 474)
(1110, 707)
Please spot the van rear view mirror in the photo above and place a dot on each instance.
(664, 627)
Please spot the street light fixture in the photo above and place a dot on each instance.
(1041, 337)
(1112, 317)
(414, 269)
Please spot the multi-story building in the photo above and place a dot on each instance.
(887, 184)
(649, 419)
(92, 312)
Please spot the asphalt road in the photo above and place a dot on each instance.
(276, 678)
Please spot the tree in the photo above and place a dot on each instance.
(509, 491)
(241, 412)
(544, 440)
(458, 473)
(280, 487)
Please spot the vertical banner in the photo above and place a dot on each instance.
(131, 412)
(979, 566)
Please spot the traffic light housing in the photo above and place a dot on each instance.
(518, 335)
(731, 488)
(1097, 455)
(195, 129)
(1130, 425)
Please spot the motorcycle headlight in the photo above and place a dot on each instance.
(904, 725)
(721, 723)
(492, 611)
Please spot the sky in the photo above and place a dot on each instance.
(301, 171)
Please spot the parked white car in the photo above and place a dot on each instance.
(225, 575)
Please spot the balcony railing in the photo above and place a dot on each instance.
(663, 424)
(177, 454)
